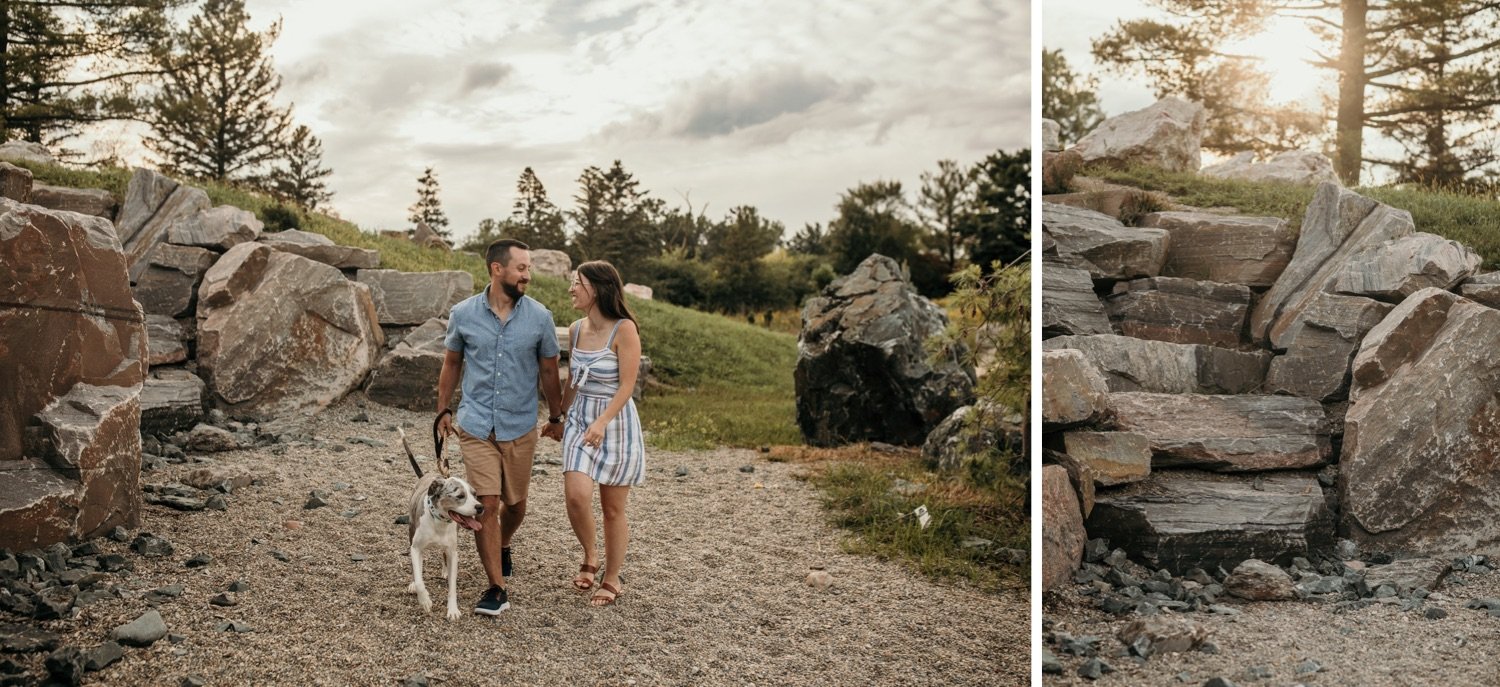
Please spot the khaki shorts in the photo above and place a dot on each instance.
(498, 468)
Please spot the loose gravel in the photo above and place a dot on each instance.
(714, 589)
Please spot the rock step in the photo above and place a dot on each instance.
(1180, 310)
(1133, 364)
(1230, 249)
(1180, 520)
(1226, 433)
(1113, 250)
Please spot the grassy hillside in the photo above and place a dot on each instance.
(722, 381)
(1471, 220)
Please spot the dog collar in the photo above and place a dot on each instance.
(433, 511)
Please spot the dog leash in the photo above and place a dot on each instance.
(437, 443)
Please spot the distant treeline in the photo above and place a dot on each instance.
(745, 263)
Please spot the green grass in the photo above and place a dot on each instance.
(722, 381)
(1471, 220)
(857, 490)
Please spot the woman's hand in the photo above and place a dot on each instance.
(594, 435)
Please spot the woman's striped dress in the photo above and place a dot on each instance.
(621, 459)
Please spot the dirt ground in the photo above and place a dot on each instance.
(714, 585)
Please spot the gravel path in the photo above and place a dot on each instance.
(1373, 647)
(714, 589)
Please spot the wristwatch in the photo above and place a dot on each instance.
(554, 419)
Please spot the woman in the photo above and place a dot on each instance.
(602, 441)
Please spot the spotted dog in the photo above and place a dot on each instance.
(440, 503)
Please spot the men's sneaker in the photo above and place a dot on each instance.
(494, 602)
(505, 566)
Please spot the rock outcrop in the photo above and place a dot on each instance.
(1289, 166)
(1168, 134)
(863, 373)
(411, 298)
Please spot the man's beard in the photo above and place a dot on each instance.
(513, 290)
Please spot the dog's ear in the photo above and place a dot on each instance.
(436, 488)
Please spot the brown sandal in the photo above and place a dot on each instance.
(585, 568)
(605, 587)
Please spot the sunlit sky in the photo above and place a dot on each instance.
(780, 104)
(1284, 49)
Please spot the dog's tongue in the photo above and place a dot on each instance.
(466, 522)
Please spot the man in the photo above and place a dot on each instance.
(501, 340)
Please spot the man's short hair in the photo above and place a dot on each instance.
(499, 251)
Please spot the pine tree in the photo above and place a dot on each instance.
(216, 115)
(616, 219)
(1069, 99)
(943, 200)
(67, 63)
(537, 221)
(429, 208)
(299, 177)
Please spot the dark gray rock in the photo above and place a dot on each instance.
(65, 666)
(1131, 364)
(23, 639)
(151, 546)
(1069, 304)
(103, 656)
(1180, 311)
(863, 372)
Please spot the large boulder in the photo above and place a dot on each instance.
(415, 297)
(1111, 249)
(219, 228)
(88, 201)
(323, 249)
(73, 357)
(1226, 433)
(407, 376)
(863, 371)
(551, 262)
(1399, 268)
(1168, 134)
(1420, 439)
(1320, 346)
(1229, 249)
(1063, 535)
(1131, 364)
(153, 203)
(1180, 310)
(1289, 166)
(1073, 391)
(425, 237)
(280, 334)
(169, 284)
(638, 290)
(26, 151)
(1482, 288)
(1338, 225)
(1180, 520)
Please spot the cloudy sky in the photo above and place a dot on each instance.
(781, 104)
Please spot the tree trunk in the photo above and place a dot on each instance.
(4, 68)
(1351, 112)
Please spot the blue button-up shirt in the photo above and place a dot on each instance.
(501, 364)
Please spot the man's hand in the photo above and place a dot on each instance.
(445, 425)
(553, 431)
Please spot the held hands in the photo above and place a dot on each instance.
(553, 431)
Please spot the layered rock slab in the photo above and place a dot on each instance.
(1420, 470)
(1180, 520)
(1226, 433)
(1321, 344)
(1180, 310)
(1338, 225)
(1073, 391)
(1131, 364)
(415, 297)
(407, 376)
(1063, 535)
(321, 248)
(1069, 305)
(1111, 249)
(1396, 269)
(1228, 249)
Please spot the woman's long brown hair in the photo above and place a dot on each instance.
(609, 289)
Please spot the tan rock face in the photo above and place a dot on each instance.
(1227, 249)
(88, 201)
(1260, 581)
(1226, 433)
(281, 334)
(1398, 268)
(1115, 457)
(415, 297)
(15, 183)
(153, 203)
(1338, 225)
(73, 354)
(1073, 391)
(1418, 471)
(1063, 535)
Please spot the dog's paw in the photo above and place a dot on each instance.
(413, 588)
(424, 600)
(453, 613)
